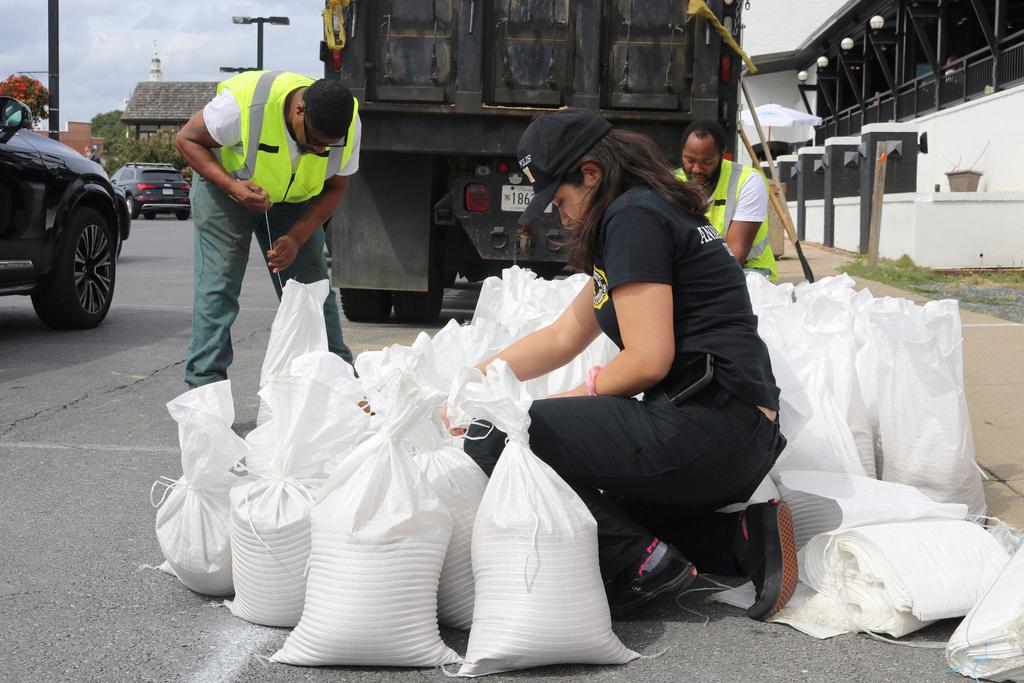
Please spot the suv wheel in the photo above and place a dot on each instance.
(183, 215)
(77, 292)
(133, 207)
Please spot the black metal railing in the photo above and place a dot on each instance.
(970, 77)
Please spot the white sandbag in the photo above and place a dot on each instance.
(922, 407)
(825, 501)
(524, 302)
(192, 524)
(379, 536)
(539, 595)
(270, 535)
(298, 328)
(817, 339)
(795, 407)
(764, 293)
(459, 483)
(838, 288)
(456, 346)
(989, 643)
(898, 578)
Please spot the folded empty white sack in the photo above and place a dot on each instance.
(298, 328)
(539, 595)
(192, 524)
(379, 536)
(270, 536)
(989, 643)
(824, 501)
(898, 578)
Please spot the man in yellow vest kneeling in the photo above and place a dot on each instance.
(272, 154)
(738, 209)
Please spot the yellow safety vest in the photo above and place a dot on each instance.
(265, 159)
(723, 207)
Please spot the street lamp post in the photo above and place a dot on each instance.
(259, 21)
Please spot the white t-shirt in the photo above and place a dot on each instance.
(223, 119)
(753, 204)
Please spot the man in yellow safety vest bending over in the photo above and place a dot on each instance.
(739, 196)
(272, 153)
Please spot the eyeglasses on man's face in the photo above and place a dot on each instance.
(313, 144)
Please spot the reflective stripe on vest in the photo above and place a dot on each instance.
(265, 158)
(722, 209)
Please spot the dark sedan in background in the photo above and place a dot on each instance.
(61, 225)
(152, 189)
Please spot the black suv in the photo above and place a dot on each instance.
(61, 224)
(152, 189)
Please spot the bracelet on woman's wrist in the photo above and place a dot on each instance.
(592, 380)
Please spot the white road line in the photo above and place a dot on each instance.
(108, 448)
(992, 325)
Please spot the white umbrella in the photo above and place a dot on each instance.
(777, 116)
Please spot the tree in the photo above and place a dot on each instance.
(108, 126)
(29, 91)
(158, 149)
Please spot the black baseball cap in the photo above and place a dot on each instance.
(548, 149)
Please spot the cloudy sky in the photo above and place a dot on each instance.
(106, 45)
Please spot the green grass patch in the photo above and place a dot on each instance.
(905, 274)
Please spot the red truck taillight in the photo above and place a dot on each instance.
(478, 198)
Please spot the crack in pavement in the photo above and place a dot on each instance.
(48, 412)
(51, 411)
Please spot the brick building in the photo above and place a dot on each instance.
(78, 136)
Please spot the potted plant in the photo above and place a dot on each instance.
(965, 180)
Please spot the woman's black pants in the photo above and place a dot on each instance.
(652, 468)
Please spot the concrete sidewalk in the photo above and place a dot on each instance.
(993, 379)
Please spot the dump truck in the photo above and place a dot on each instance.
(445, 89)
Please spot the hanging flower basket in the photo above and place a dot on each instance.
(29, 91)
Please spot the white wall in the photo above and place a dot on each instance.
(782, 25)
(846, 232)
(959, 135)
(814, 221)
(945, 230)
(969, 230)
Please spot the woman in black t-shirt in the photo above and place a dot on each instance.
(671, 296)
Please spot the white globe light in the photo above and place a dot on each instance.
(729, 2)
(877, 22)
(801, 76)
(822, 62)
(846, 43)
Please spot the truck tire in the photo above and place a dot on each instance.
(418, 307)
(77, 292)
(366, 305)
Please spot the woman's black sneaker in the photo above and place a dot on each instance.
(769, 556)
(635, 588)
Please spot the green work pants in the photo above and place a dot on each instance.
(223, 233)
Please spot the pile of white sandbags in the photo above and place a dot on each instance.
(367, 529)
(885, 379)
(881, 480)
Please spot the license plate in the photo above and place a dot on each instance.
(517, 198)
(168, 191)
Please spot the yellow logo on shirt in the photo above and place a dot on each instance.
(600, 288)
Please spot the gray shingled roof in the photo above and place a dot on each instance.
(164, 101)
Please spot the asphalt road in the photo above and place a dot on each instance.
(84, 433)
